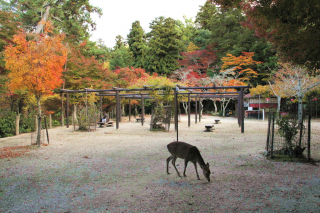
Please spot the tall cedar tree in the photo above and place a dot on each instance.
(36, 64)
(165, 46)
(137, 44)
(69, 16)
(293, 26)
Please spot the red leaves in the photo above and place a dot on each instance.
(12, 152)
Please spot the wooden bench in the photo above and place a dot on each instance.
(217, 121)
(109, 124)
(105, 124)
(209, 127)
(139, 119)
(101, 124)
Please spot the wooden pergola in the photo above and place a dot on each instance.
(179, 90)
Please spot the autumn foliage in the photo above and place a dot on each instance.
(36, 62)
(240, 67)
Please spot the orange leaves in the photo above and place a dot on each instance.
(12, 152)
(240, 67)
(36, 64)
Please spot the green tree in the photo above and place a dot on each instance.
(69, 16)
(165, 46)
(120, 58)
(137, 44)
(292, 26)
(207, 11)
(119, 42)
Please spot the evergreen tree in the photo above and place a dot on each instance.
(165, 46)
(71, 17)
(119, 42)
(137, 44)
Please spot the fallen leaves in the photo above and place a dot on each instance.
(12, 152)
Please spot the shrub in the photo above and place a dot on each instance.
(7, 123)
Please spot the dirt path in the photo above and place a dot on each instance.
(124, 170)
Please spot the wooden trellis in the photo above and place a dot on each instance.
(178, 91)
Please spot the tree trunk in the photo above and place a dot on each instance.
(201, 108)
(39, 121)
(215, 105)
(279, 102)
(17, 124)
(185, 106)
(43, 20)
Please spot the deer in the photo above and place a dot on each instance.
(188, 152)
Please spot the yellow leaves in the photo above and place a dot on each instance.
(239, 67)
(192, 47)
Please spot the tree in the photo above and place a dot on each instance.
(85, 71)
(35, 62)
(199, 60)
(240, 67)
(292, 26)
(236, 71)
(120, 58)
(119, 42)
(165, 45)
(295, 81)
(137, 44)
(207, 11)
(69, 16)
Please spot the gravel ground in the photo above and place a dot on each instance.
(124, 170)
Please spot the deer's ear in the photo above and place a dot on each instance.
(207, 164)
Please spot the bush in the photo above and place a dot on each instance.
(7, 123)
(27, 123)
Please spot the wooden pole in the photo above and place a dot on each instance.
(67, 110)
(101, 107)
(176, 112)
(189, 110)
(129, 109)
(242, 111)
(142, 110)
(196, 110)
(45, 122)
(50, 121)
(17, 124)
(268, 136)
(200, 109)
(309, 136)
(117, 109)
(272, 137)
(239, 111)
(62, 111)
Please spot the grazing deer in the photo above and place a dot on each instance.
(188, 153)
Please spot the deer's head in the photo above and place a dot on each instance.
(206, 171)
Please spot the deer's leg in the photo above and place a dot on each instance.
(174, 164)
(185, 167)
(195, 166)
(168, 161)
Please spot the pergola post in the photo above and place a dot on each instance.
(196, 110)
(239, 110)
(129, 109)
(189, 111)
(200, 108)
(62, 112)
(117, 109)
(100, 106)
(175, 110)
(242, 111)
(142, 110)
(67, 110)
